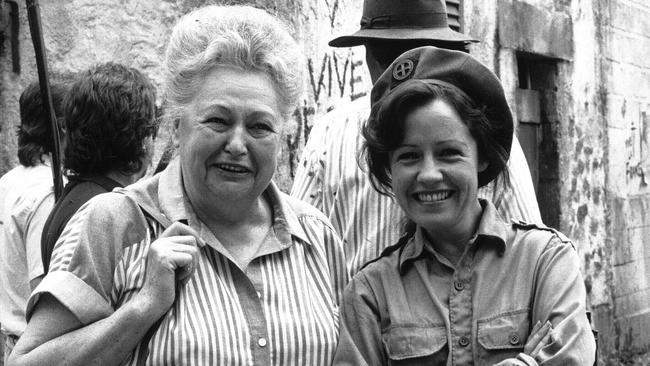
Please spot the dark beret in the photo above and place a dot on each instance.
(453, 69)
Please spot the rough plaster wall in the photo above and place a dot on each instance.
(80, 33)
(583, 166)
(626, 35)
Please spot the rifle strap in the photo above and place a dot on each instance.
(143, 349)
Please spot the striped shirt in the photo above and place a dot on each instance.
(282, 310)
(329, 178)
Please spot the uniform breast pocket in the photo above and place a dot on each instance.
(415, 345)
(502, 336)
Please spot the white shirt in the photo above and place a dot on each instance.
(26, 199)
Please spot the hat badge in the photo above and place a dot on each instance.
(402, 70)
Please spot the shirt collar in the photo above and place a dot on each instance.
(175, 205)
(171, 195)
(491, 232)
(46, 159)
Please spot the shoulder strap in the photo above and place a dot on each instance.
(149, 211)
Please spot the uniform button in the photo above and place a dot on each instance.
(514, 338)
(259, 294)
(463, 341)
(261, 342)
(459, 286)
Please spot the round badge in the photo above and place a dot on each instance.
(403, 70)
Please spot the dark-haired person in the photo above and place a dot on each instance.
(110, 124)
(464, 287)
(329, 177)
(26, 198)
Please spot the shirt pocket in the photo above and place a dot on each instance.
(502, 336)
(415, 345)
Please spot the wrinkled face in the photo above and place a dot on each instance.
(435, 170)
(229, 137)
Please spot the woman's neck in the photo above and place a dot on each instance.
(234, 213)
(452, 241)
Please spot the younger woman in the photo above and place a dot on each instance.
(462, 287)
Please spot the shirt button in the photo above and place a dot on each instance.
(463, 341)
(259, 294)
(514, 338)
(459, 286)
(261, 342)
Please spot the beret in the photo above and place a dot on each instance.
(453, 69)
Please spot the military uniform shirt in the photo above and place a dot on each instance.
(413, 307)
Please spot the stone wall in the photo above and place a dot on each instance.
(626, 93)
(596, 129)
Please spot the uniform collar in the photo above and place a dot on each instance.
(176, 206)
(491, 234)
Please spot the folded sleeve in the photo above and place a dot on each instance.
(83, 267)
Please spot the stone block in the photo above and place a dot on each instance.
(638, 213)
(630, 16)
(628, 80)
(633, 335)
(626, 47)
(617, 107)
(616, 163)
(634, 303)
(602, 319)
(533, 29)
(622, 111)
(630, 277)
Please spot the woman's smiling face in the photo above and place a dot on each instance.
(434, 170)
(229, 136)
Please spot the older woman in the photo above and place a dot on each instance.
(242, 276)
(462, 286)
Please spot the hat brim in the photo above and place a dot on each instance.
(392, 34)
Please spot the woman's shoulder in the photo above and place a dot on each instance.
(387, 263)
(538, 235)
(112, 210)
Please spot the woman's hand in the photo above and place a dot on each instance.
(171, 261)
(539, 337)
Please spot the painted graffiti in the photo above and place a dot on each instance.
(336, 76)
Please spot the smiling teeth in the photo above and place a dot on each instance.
(232, 168)
(432, 197)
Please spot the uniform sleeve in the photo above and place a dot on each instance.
(84, 259)
(33, 234)
(560, 297)
(517, 199)
(308, 182)
(360, 333)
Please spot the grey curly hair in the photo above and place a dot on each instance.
(237, 36)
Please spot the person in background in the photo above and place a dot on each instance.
(26, 198)
(463, 287)
(207, 262)
(109, 117)
(328, 175)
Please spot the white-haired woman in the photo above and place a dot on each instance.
(245, 275)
